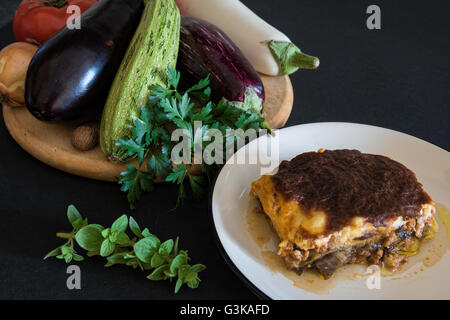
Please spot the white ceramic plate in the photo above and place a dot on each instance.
(230, 200)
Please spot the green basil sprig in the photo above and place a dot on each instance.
(142, 249)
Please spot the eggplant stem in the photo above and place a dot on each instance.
(290, 58)
(304, 61)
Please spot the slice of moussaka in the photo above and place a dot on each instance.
(336, 207)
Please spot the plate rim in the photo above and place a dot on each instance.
(253, 288)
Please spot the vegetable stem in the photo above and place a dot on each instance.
(290, 58)
(55, 3)
(304, 61)
(63, 235)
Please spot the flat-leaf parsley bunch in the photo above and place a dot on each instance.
(150, 140)
(141, 249)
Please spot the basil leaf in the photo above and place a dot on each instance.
(79, 224)
(97, 226)
(115, 245)
(146, 248)
(77, 257)
(132, 263)
(93, 253)
(175, 249)
(158, 274)
(135, 228)
(106, 233)
(120, 225)
(66, 250)
(122, 239)
(146, 233)
(68, 258)
(73, 215)
(190, 276)
(53, 253)
(117, 258)
(178, 285)
(193, 284)
(166, 248)
(183, 271)
(90, 237)
(197, 268)
(177, 262)
(107, 248)
(157, 260)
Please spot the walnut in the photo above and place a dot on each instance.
(85, 137)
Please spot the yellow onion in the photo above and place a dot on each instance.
(14, 61)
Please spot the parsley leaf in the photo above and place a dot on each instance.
(143, 127)
(177, 109)
(158, 93)
(134, 182)
(197, 184)
(202, 84)
(173, 77)
(132, 148)
(178, 174)
(160, 164)
(169, 109)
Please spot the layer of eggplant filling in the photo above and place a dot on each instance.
(389, 251)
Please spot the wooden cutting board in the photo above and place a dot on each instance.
(50, 143)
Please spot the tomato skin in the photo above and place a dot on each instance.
(36, 21)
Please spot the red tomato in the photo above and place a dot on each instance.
(37, 21)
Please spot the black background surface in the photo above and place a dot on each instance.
(396, 77)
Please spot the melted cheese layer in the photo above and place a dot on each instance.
(308, 229)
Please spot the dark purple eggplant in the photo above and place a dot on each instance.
(70, 75)
(207, 50)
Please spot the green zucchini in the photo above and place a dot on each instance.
(153, 49)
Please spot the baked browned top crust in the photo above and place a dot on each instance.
(332, 208)
(347, 183)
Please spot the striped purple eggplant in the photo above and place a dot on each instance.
(206, 50)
